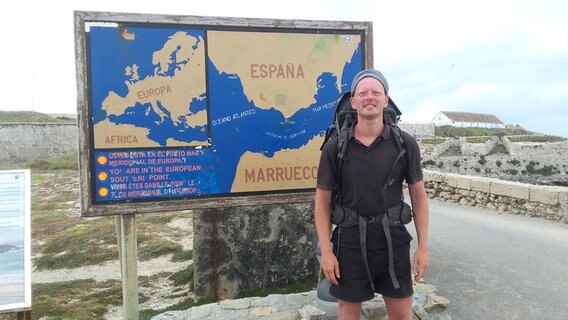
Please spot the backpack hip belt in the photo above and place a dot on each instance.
(398, 215)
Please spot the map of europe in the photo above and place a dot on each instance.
(246, 110)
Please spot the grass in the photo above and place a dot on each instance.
(31, 116)
(499, 149)
(68, 161)
(292, 288)
(452, 151)
(74, 299)
(432, 141)
(450, 131)
(477, 139)
(544, 138)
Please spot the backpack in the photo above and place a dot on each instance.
(343, 118)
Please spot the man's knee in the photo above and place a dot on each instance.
(399, 308)
(349, 310)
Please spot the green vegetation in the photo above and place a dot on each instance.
(499, 149)
(69, 161)
(72, 242)
(432, 141)
(544, 138)
(545, 171)
(74, 299)
(450, 131)
(452, 151)
(297, 287)
(511, 171)
(477, 139)
(183, 305)
(31, 116)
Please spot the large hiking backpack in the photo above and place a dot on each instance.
(344, 116)
(343, 119)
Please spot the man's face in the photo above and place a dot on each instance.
(370, 98)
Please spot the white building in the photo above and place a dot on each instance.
(467, 119)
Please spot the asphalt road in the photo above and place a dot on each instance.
(498, 266)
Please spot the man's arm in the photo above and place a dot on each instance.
(322, 221)
(421, 211)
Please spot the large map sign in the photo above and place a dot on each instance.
(202, 111)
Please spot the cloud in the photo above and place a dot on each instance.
(504, 76)
(503, 57)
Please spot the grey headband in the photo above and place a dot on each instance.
(376, 74)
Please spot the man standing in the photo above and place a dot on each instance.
(371, 257)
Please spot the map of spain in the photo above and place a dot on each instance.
(256, 104)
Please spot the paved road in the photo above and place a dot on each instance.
(498, 266)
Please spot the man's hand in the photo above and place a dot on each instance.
(420, 264)
(330, 267)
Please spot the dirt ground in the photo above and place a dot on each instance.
(60, 189)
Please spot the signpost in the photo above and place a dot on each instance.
(186, 112)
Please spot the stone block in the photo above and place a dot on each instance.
(260, 311)
(235, 304)
(434, 176)
(510, 189)
(452, 180)
(463, 182)
(543, 194)
(481, 184)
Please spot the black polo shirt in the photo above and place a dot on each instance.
(364, 175)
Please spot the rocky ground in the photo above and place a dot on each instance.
(63, 187)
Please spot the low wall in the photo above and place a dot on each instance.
(418, 129)
(255, 247)
(21, 142)
(548, 202)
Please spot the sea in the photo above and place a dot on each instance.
(11, 274)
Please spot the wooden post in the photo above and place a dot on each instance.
(24, 315)
(127, 249)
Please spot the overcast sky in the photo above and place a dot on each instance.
(507, 58)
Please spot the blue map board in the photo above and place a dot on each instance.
(184, 111)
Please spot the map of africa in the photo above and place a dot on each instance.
(230, 111)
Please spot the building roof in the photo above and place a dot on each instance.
(471, 117)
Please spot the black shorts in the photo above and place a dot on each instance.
(354, 283)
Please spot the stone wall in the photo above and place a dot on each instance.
(536, 149)
(257, 247)
(535, 163)
(472, 149)
(418, 129)
(549, 202)
(25, 142)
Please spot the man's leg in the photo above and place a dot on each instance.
(399, 308)
(349, 310)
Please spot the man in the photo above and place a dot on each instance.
(371, 155)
